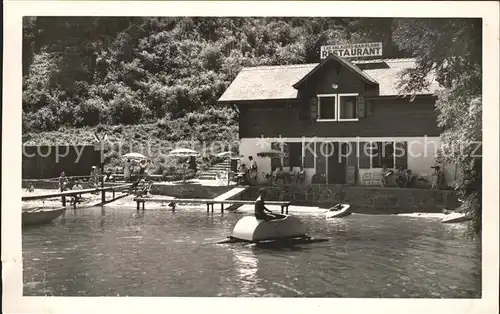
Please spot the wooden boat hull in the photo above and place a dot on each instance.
(39, 216)
(343, 212)
(251, 229)
(456, 218)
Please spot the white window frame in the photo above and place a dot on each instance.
(335, 108)
(393, 166)
(337, 111)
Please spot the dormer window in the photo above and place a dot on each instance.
(348, 107)
(327, 107)
(338, 107)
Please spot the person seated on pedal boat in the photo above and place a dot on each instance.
(260, 208)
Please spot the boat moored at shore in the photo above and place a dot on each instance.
(40, 215)
(338, 211)
(457, 217)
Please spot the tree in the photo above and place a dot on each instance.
(450, 50)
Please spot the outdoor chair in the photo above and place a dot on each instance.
(367, 178)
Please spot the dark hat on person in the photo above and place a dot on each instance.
(262, 190)
(436, 167)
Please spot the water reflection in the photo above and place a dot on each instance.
(246, 265)
(156, 252)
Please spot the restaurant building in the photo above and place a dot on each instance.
(340, 119)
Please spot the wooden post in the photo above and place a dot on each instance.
(287, 209)
(282, 209)
(221, 207)
(208, 207)
(63, 200)
(113, 193)
(212, 207)
(138, 205)
(143, 205)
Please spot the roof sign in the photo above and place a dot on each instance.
(352, 50)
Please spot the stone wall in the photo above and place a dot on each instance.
(369, 200)
(189, 190)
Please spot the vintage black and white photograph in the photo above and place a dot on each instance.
(252, 156)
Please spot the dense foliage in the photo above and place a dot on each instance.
(85, 71)
(451, 49)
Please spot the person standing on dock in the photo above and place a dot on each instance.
(63, 181)
(260, 208)
(252, 171)
(126, 170)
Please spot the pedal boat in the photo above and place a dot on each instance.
(338, 211)
(285, 227)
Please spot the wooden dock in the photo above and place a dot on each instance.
(76, 193)
(209, 202)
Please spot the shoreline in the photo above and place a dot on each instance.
(91, 200)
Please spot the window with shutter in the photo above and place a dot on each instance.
(314, 108)
(361, 107)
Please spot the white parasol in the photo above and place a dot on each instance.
(183, 152)
(134, 156)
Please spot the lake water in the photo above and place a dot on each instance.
(121, 252)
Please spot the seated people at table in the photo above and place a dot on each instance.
(317, 178)
(387, 178)
(409, 179)
(401, 177)
(280, 175)
(260, 208)
(291, 175)
(301, 175)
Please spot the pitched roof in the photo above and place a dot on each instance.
(276, 82)
(266, 82)
(349, 65)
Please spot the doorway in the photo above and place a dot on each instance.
(337, 162)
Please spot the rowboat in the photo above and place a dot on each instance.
(338, 211)
(457, 217)
(41, 215)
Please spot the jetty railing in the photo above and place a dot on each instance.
(209, 202)
(74, 193)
